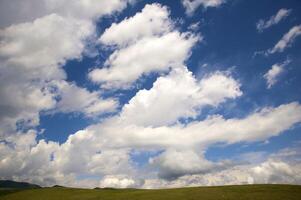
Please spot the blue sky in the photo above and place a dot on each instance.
(221, 98)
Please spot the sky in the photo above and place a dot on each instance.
(150, 94)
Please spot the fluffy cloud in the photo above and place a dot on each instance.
(152, 20)
(38, 44)
(188, 142)
(32, 81)
(32, 56)
(10, 12)
(25, 159)
(76, 99)
(275, 19)
(82, 154)
(83, 9)
(191, 96)
(286, 41)
(146, 51)
(257, 126)
(272, 75)
(110, 143)
(192, 5)
(281, 167)
(273, 171)
(174, 163)
(119, 181)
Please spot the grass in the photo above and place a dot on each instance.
(246, 192)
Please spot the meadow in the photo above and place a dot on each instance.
(243, 192)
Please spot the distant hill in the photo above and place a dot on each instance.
(17, 185)
(58, 186)
(239, 192)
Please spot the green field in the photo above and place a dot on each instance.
(250, 192)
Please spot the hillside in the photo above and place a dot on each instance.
(245, 192)
(17, 185)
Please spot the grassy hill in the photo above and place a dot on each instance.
(248, 192)
(17, 185)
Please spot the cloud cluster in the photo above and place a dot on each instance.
(11, 13)
(104, 149)
(119, 181)
(191, 96)
(280, 167)
(165, 119)
(275, 19)
(152, 46)
(75, 99)
(32, 56)
(192, 5)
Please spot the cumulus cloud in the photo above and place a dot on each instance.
(273, 74)
(257, 126)
(188, 142)
(83, 9)
(273, 171)
(38, 43)
(110, 142)
(82, 154)
(153, 48)
(22, 158)
(281, 167)
(286, 41)
(275, 19)
(152, 20)
(119, 181)
(175, 163)
(32, 56)
(75, 99)
(147, 55)
(191, 96)
(192, 5)
(10, 12)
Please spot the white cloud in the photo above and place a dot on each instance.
(174, 163)
(33, 53)
(275, 171)
(25, 159)
(76, 99)
(275, 19)
(46, 42)
(84, 9)
(150, 54)
(187, 100)
(15, 11)
(192, 5)
(110, 142)
(152, 46)
(189, 142)
(275, 168)
(258, 126)
(286, 41)
(31, 57)
(119, 181)
(152, 20)
(273, 74)
(271, 172)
